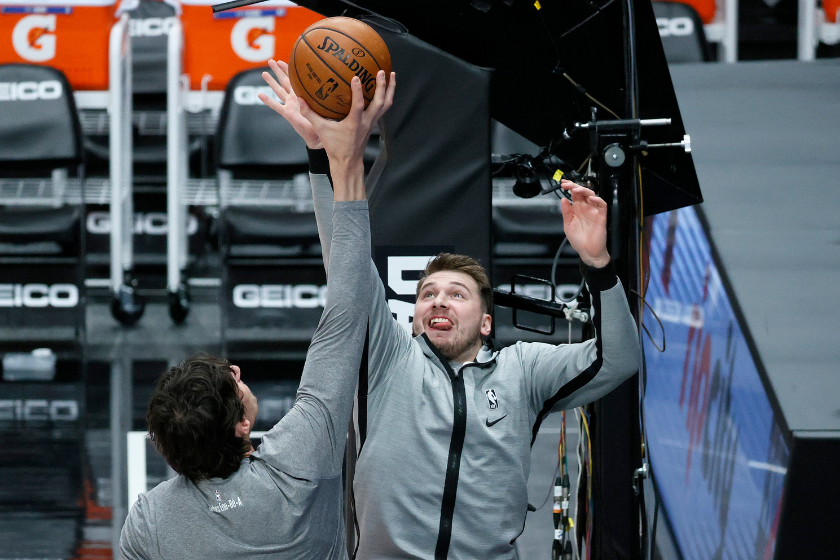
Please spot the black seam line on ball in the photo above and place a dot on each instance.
(453, 462)
(315, 52)
(311, 96)
(585, 376)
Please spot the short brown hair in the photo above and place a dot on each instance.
(465, 265)
(192, 418)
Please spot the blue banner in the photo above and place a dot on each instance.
(717, 450)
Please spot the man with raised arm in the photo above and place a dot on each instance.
(443, 471)
(283, 500)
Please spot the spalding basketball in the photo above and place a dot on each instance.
(327, 56)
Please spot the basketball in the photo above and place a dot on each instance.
(327, 56)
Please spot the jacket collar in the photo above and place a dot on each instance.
(486, 354)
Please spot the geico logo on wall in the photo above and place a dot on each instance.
(148, 223)
(247, 95)
(675, 27)
(150, 27)
(252, 38)
(39, 295)
(34, 37)
(30, 91)
(38, 410)
(300, 296)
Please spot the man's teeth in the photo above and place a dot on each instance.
(436, 321)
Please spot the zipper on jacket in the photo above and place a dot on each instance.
(453, 461)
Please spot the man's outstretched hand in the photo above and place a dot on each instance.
(289, 109)
(585, 224)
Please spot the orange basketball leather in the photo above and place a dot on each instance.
(327, 56)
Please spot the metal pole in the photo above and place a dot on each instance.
(806, 35)
(120, 421)
(174, 147)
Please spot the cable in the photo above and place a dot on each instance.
(554, 274)
(580, 89)
(550, 488)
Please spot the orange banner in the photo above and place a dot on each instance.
(222, 45)
(71, 38)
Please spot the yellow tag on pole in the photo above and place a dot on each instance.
(537, 5)
(558, 175)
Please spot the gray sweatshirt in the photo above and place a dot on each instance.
(285, 501)
(443, 471)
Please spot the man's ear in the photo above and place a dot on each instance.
(243, 428)
(486, 324)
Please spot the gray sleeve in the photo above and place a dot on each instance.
(570, 375)
(388, 340)
(136, 541)
(322, 196)
(309, 441)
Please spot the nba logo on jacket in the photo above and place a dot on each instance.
(491, 398)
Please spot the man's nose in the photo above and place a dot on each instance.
(440, 300)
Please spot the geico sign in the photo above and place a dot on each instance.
(675, 27)
(301, 296)
(252, 38)
(39, 410)
(150, 27)
(39, 295)
(34, 38)
(30, 91)
(149, 223)
(247, 95)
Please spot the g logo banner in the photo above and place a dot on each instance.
(252, 39)
(34, 38)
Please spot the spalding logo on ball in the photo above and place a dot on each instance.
(327, 56)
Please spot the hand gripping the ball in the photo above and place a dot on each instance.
(345, 140)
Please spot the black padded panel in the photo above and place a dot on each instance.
(32, 225)
(681, 31)
(522, 221)
(431, 185)
(248, 224)
(38, 119)
(252, 134)
(150, 23)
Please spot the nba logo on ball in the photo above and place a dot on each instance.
(327, 56)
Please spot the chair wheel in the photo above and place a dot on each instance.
(179, 304)
(126, 305)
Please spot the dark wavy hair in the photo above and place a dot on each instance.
(192, 417)
(465, 265)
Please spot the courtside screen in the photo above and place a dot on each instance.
(717, 449)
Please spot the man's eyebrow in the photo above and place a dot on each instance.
(454, 282)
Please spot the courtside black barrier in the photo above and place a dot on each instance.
(41, 186)
(40, 469)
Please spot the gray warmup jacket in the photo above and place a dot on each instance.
(443, 471)
(285, 501)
